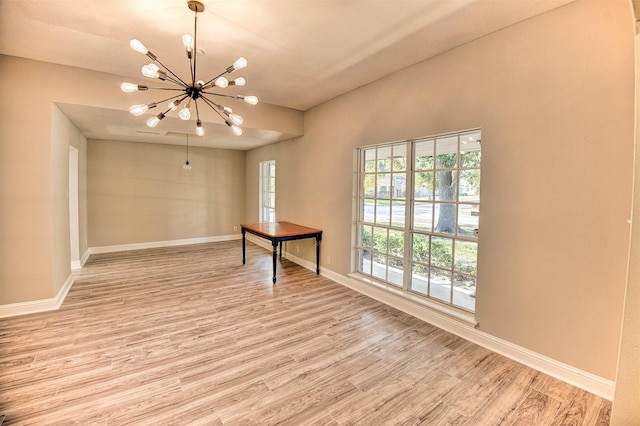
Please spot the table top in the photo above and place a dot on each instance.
(280, 229)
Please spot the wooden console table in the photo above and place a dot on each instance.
(277, 232)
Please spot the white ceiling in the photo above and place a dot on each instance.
(300, 52)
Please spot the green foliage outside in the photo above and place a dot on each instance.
(435, 251)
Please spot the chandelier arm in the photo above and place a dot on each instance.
(179, 101)
(208, 84)
(195, 101)
(214, 106)
(218, 112)
(170, 79)
(221, 95)
(239, 98)
(234, 127)
(171, 97)
(166, 88)
(171, 72)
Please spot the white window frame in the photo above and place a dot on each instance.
(395, 269)
(267, 191)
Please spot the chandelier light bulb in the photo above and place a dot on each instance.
(187, 166)
(130, 87)
(238, 82)
(150, 70)
(239, 63)
(173, 105)
(185, 113)
(248, 99)
(251, 100)
(187, 40)
(222, 82)
(236, 119)
(138, 46)
(153, 121)
(138, 110)
(236, 130)
(199, 128)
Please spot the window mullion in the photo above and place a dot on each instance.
(408, 218)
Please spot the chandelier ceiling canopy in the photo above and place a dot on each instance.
(190, 90)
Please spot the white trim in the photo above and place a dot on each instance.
(84, 258)
(460, 327)
(73, 198)
(35, 306)
(266, 244)
(259, 241)
(156, 244)
(463, 325)
(43, 305)
(304, 263)
(457, 325)
(76, 265)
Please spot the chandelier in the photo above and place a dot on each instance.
(190, 91)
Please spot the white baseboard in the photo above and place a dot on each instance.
(259, 241)
(35, 306)
(460, 326)
(76, 265)
(43, 305)
(156, 244)
(463, 325)
(84, 258)
(590, 382)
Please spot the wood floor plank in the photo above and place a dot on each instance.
(189, 335)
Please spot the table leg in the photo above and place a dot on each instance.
(275, 259)
(244, 235)
(317, 256)
(280, 250)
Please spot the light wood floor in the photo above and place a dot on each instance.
(188, 335)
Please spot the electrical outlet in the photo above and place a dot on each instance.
(328, 260)
(235, 227)
(297, 248)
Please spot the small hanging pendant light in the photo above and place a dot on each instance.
(187, 166)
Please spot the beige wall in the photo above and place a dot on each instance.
(34, 237)
(25, 197)
(140, 193)
(626, 402)
(554, 98)
(34, 149)
(34, 218)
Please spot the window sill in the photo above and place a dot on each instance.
(432, 306)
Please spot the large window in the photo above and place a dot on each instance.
(418, 216)
(268, 191)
